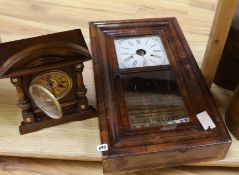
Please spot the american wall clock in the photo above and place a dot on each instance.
(150, 93)
(47, 74)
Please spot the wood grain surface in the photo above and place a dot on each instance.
(151, 147)
(77, 140)
(224, 14)
(23, 166)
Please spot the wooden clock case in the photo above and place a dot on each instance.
(132, 149)
(25, 59)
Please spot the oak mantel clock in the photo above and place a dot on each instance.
(149, 94)
(47, 73)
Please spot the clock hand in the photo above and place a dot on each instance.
(153, 61)
(49, 82)
(144, 62)
(156, 56)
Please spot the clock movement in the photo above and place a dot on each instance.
(47, 74)
(151, 97)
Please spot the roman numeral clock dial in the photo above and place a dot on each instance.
(140, 51)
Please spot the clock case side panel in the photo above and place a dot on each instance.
(100, 86)
(220, 139)
(210, 103)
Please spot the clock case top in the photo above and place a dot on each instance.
(31, 55)
(135, 149)
(23, 60)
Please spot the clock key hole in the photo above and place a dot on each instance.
(140, 52)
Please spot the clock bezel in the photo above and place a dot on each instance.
(160, 33)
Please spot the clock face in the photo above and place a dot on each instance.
(140, 51)
(57, 82)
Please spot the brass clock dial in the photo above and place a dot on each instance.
(57, 82)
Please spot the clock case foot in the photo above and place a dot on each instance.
(26, 128)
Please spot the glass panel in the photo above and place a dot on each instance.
(45, 101)
(153, 99)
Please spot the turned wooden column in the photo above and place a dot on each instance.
(232, 114)
(23, 102)
(81, 89)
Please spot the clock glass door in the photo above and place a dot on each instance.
(152, 97)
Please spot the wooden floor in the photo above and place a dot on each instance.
(21, 166)
(28, 18)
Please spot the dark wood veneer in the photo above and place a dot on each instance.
(134, 149)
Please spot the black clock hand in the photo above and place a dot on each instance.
(49, 82)
(156, 56)
(144, 62)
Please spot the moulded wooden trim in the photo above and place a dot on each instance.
(125, 143)
(52, 49)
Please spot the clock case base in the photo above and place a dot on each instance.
(47, 122)
(165, 159)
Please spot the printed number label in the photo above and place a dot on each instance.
(103, 147)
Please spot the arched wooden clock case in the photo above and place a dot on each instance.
(60, 55)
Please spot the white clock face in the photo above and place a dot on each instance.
(140, 51)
